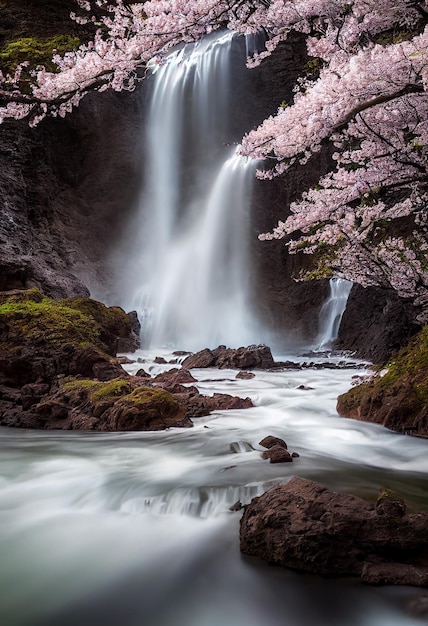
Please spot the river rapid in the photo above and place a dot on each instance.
(135, 528)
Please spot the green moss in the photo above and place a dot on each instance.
(146, 395)
(112, 319)
(85, 384)
(111, 389)
(96, 391)
(46, 323)
(24, 295)
(410, 361)
(406, 378)
(36, 50)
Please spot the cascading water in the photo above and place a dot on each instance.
(332, 312)
(188, 278)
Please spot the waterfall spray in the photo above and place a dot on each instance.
(189, 279)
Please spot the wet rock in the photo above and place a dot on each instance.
(251, 357)
(270, 441)
(295, 455)
(237, 506)
(388, 504)
(305, 526)
(160, 360)
(398, 399)
(32, 394)
(201, 359)
(304, 388)
(198, 405)
(123, 360)
(277, 454)
(174, 377)
(131, 342)
(145, 409)
(245, 375)
(376, 323)
(141, 373)
(417, 606)
(394, 574)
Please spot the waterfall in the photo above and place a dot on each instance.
(332, 312)
(188, 269)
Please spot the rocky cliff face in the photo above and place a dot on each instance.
(376, 323)
(64, 187)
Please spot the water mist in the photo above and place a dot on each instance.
(187, 273)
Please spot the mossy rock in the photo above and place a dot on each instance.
(96, 391)
(111, 319)
(27, 317)
(45, 324)
(36, 51)
(399, 398)
(21, 295)
(119, 405)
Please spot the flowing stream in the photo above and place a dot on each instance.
(135, 528)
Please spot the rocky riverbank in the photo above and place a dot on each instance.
(58, 370)
(397, 397)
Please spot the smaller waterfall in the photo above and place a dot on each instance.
(332, 312)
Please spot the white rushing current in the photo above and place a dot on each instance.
(188, 267)
(135, 528)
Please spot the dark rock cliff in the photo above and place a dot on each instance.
(64, 187)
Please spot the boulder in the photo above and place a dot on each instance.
(251, 357)
(270, 441)
(305, 526)
(245, 375)
(174, 377)
(201, 359)
(277, 454)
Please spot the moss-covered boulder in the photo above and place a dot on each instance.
(57, 371)
(397, 399)
(121, 404)
(43, 340)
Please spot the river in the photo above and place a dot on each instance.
(135, 528)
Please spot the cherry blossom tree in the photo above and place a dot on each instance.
(366, 219)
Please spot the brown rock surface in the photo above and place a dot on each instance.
(251, 357)
(277, 454)
(270, 441)
(305, 526)
(399, 399)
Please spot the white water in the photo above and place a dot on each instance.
(188, 264)
(332, 312)
(135, 528)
